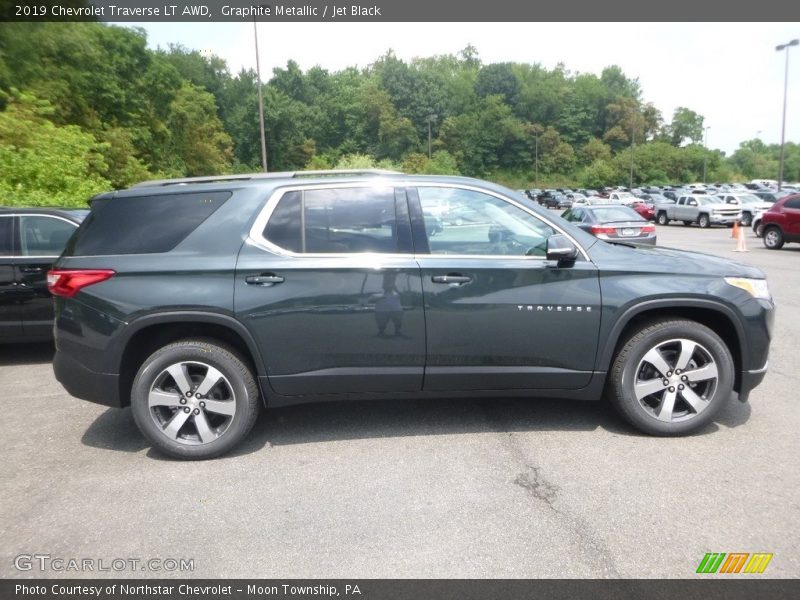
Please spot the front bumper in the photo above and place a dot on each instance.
(724, 220)
(750, 381)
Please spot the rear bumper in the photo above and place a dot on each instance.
(83, 383)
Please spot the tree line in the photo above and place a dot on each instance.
(87, 107)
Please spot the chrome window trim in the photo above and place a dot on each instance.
(256, 238)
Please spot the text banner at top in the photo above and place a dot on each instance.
(404, 11)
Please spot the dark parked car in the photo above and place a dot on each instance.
(613, 222)
(197, 301)
(770, 196)
(30, 240)
(557, 200)
(781, 223)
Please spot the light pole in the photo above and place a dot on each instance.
(705, 153)
(260, 103)
(431, 117)
(536, 160)
(786, 47)
(633, 149)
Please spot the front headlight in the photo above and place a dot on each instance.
(757, 288)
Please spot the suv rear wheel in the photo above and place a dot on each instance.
(195, 399)
(671, 377)
(773, 238)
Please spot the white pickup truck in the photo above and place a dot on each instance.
(701, 209)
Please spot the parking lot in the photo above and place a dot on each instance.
(474, 488)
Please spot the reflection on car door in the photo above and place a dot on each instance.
(328, 285)
(498, 314)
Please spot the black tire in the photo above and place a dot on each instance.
(704, 221)
(747, 219)
(666, 338)
(235, 398)
(662, 219)
(773, 237)
(687, 223)
(757, 229)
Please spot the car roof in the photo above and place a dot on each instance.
(75, 214)
(275, 180)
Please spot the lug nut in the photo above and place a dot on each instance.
(665, 381)
(669, 373)
(197, 411)
(685, 378)
(202, 405)
(187, 409)
(681, 386)
(672, 388)
(198, 396)
(678, 371)
(183, 400)
(189, 394)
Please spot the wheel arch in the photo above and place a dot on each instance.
(714, 315)
(145, 335)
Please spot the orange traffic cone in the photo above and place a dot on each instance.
(738, 235)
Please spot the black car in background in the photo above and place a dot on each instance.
(557, 200)
(197, 301)
(30, 240)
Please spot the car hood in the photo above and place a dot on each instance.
(657, 259)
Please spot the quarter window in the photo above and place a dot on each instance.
(335, 221)
(44, 236)
(474, 223)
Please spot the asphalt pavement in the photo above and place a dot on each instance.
(438, 488)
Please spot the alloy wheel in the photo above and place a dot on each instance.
(676, 380)
(192, 402)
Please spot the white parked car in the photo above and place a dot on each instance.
(752, 206)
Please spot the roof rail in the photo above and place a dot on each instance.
(275, 175)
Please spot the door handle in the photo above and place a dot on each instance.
(451, 279)
(265, 279)
(31, 269)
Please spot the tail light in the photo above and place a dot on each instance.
(649, 229)
(600, 229)
(68, 282)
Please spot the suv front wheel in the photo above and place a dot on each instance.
(195, 399)
(671, 377)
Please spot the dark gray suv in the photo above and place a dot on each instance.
(194, 301)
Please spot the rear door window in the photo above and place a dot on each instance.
(143, 224)
(41, 235)
(335, 221)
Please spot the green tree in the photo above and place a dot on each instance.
(686, 125)
(44, 164)
(200, 144)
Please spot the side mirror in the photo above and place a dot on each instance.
(560, 249)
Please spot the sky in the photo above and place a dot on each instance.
(728, 72)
